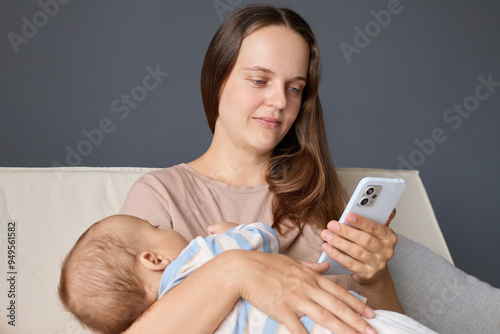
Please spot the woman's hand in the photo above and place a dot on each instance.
(286, 289)
(364, 248)
(282, 288)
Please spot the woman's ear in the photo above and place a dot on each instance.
(153, 261)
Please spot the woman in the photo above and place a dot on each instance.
(268, 161)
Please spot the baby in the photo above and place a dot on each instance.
(122, 264)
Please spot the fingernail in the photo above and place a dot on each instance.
(370, 330)
(326, 247)
(351, 218)
(333, 226)
(369, 312)
(326, 235)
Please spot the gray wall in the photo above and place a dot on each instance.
(408, 92)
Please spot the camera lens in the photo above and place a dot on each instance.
(370, 190)
(364, 201)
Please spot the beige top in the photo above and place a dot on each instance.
(181, 199)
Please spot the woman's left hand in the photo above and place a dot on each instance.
(364, 248)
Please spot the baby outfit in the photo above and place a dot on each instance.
(245, 318)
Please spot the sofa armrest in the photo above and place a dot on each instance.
(441, 296)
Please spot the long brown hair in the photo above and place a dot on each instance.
(301, 173)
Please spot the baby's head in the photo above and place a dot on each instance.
(112, 274)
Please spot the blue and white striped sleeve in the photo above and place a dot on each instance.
(255, 236)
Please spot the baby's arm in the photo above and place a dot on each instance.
(221, 227)
(255, 236)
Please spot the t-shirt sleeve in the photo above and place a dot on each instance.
(144, 200)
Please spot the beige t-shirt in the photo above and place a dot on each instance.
(181, 199)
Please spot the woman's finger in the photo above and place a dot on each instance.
(391, 217)
(280, 286)
(362, 246)
(337, 310)
(364, 232)
(291, 322)
(350, 248)
(320, 268)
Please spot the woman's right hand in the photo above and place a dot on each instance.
(285, 290)
(282, 288)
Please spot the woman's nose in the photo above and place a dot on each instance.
(277, 97)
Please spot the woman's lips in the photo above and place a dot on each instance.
(268, 122)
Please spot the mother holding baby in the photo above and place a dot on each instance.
(269, 162)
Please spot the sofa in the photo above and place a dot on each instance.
(44, 210)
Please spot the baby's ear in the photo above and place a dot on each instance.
(153, 261)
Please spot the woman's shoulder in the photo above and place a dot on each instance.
(166, 175)
(184, 176)
(176, 180)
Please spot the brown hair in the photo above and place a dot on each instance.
(98, 284)
(301, 173)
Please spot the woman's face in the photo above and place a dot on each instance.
(261, 98)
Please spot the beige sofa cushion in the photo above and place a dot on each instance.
(51, 207)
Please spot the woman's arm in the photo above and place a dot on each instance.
(365, 250)
(381, 293)
(196, 305)
(279, 286)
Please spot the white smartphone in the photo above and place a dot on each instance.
(373, 198)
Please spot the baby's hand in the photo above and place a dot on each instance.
(221, 227)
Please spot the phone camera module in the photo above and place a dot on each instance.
(369, 191)
(364, 201)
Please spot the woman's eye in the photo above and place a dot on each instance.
(259, 82)
(294, 90)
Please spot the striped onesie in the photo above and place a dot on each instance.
(245, 318)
